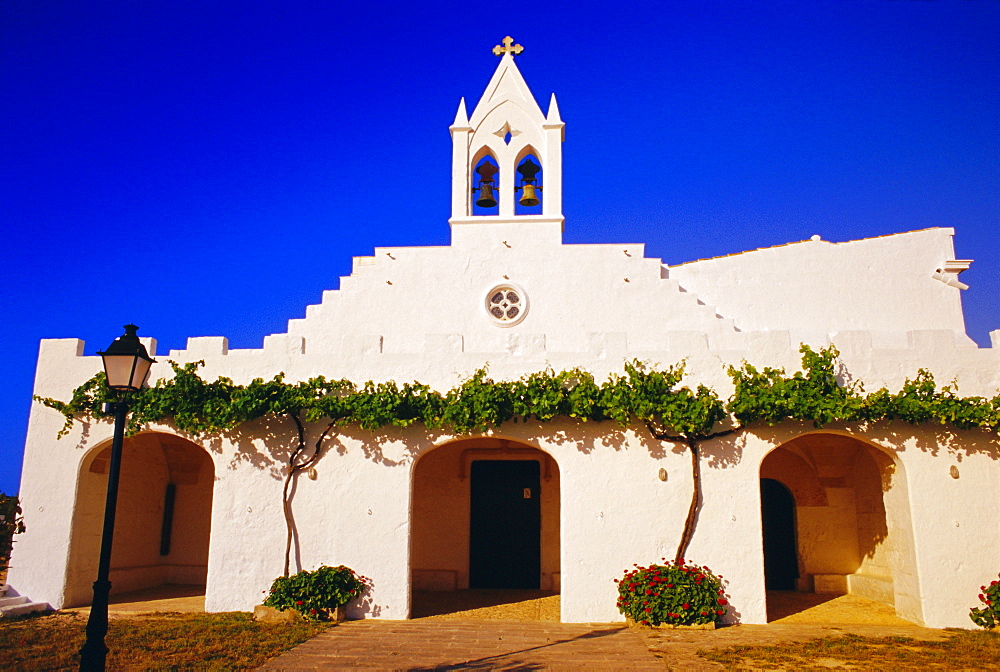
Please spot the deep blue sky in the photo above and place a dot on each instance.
(209, 168)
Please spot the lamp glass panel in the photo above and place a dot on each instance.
(141, 372)
(119, 370)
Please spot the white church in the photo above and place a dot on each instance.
(905, 515)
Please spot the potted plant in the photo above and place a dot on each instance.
(673, 594)
(320, 594)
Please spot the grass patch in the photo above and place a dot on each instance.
(963, 649)
(225, 641)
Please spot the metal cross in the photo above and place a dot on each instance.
(508, 47)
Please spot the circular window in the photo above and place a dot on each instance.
(506, 305)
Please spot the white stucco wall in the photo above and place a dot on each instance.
(614, 509)
(892, 281)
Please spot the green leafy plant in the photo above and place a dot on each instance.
(316, 593)
(988, 616)
(11, 523)
(676, 593)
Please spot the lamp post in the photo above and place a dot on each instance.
(126, 364)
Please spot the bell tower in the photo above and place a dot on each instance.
(507, 157)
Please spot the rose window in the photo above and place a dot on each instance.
(506, 305)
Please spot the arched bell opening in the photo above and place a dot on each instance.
(162, 522)
(485, 184)
(835, 518)
(484, 525)
(528, 190)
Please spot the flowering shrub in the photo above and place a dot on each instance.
(674, 593)
(315, 593)
(989, 616)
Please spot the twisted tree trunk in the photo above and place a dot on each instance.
(294, 467)
(692, 516)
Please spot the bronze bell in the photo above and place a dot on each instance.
(486, 199)
(486, 171)
(528, 196)
(528, 170)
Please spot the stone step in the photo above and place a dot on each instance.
(22, 609)
(12, 601)
(18, 605)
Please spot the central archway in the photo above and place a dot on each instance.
(485, 514)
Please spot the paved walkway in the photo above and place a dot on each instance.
(506, 645)
(470, 645)
(477, 638)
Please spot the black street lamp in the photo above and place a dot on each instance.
(126, 364)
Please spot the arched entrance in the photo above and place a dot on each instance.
(839, 507)
(162, 521)
(485, 515)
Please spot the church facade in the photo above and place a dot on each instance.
(905, 515)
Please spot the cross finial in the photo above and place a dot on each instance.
(508, 47)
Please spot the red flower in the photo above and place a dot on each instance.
(650, 592)
(298, 602)
(686, 605)
(723, 602)
(720, 612)
(648, 609)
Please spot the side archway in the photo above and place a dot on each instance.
(851, 529)
(162, 521)
(485, 514)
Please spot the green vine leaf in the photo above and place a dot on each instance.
(652, 396)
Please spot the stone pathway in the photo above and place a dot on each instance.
(470, 645)
(478, 638)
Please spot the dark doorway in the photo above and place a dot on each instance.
(781, 565)
(505, 524)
